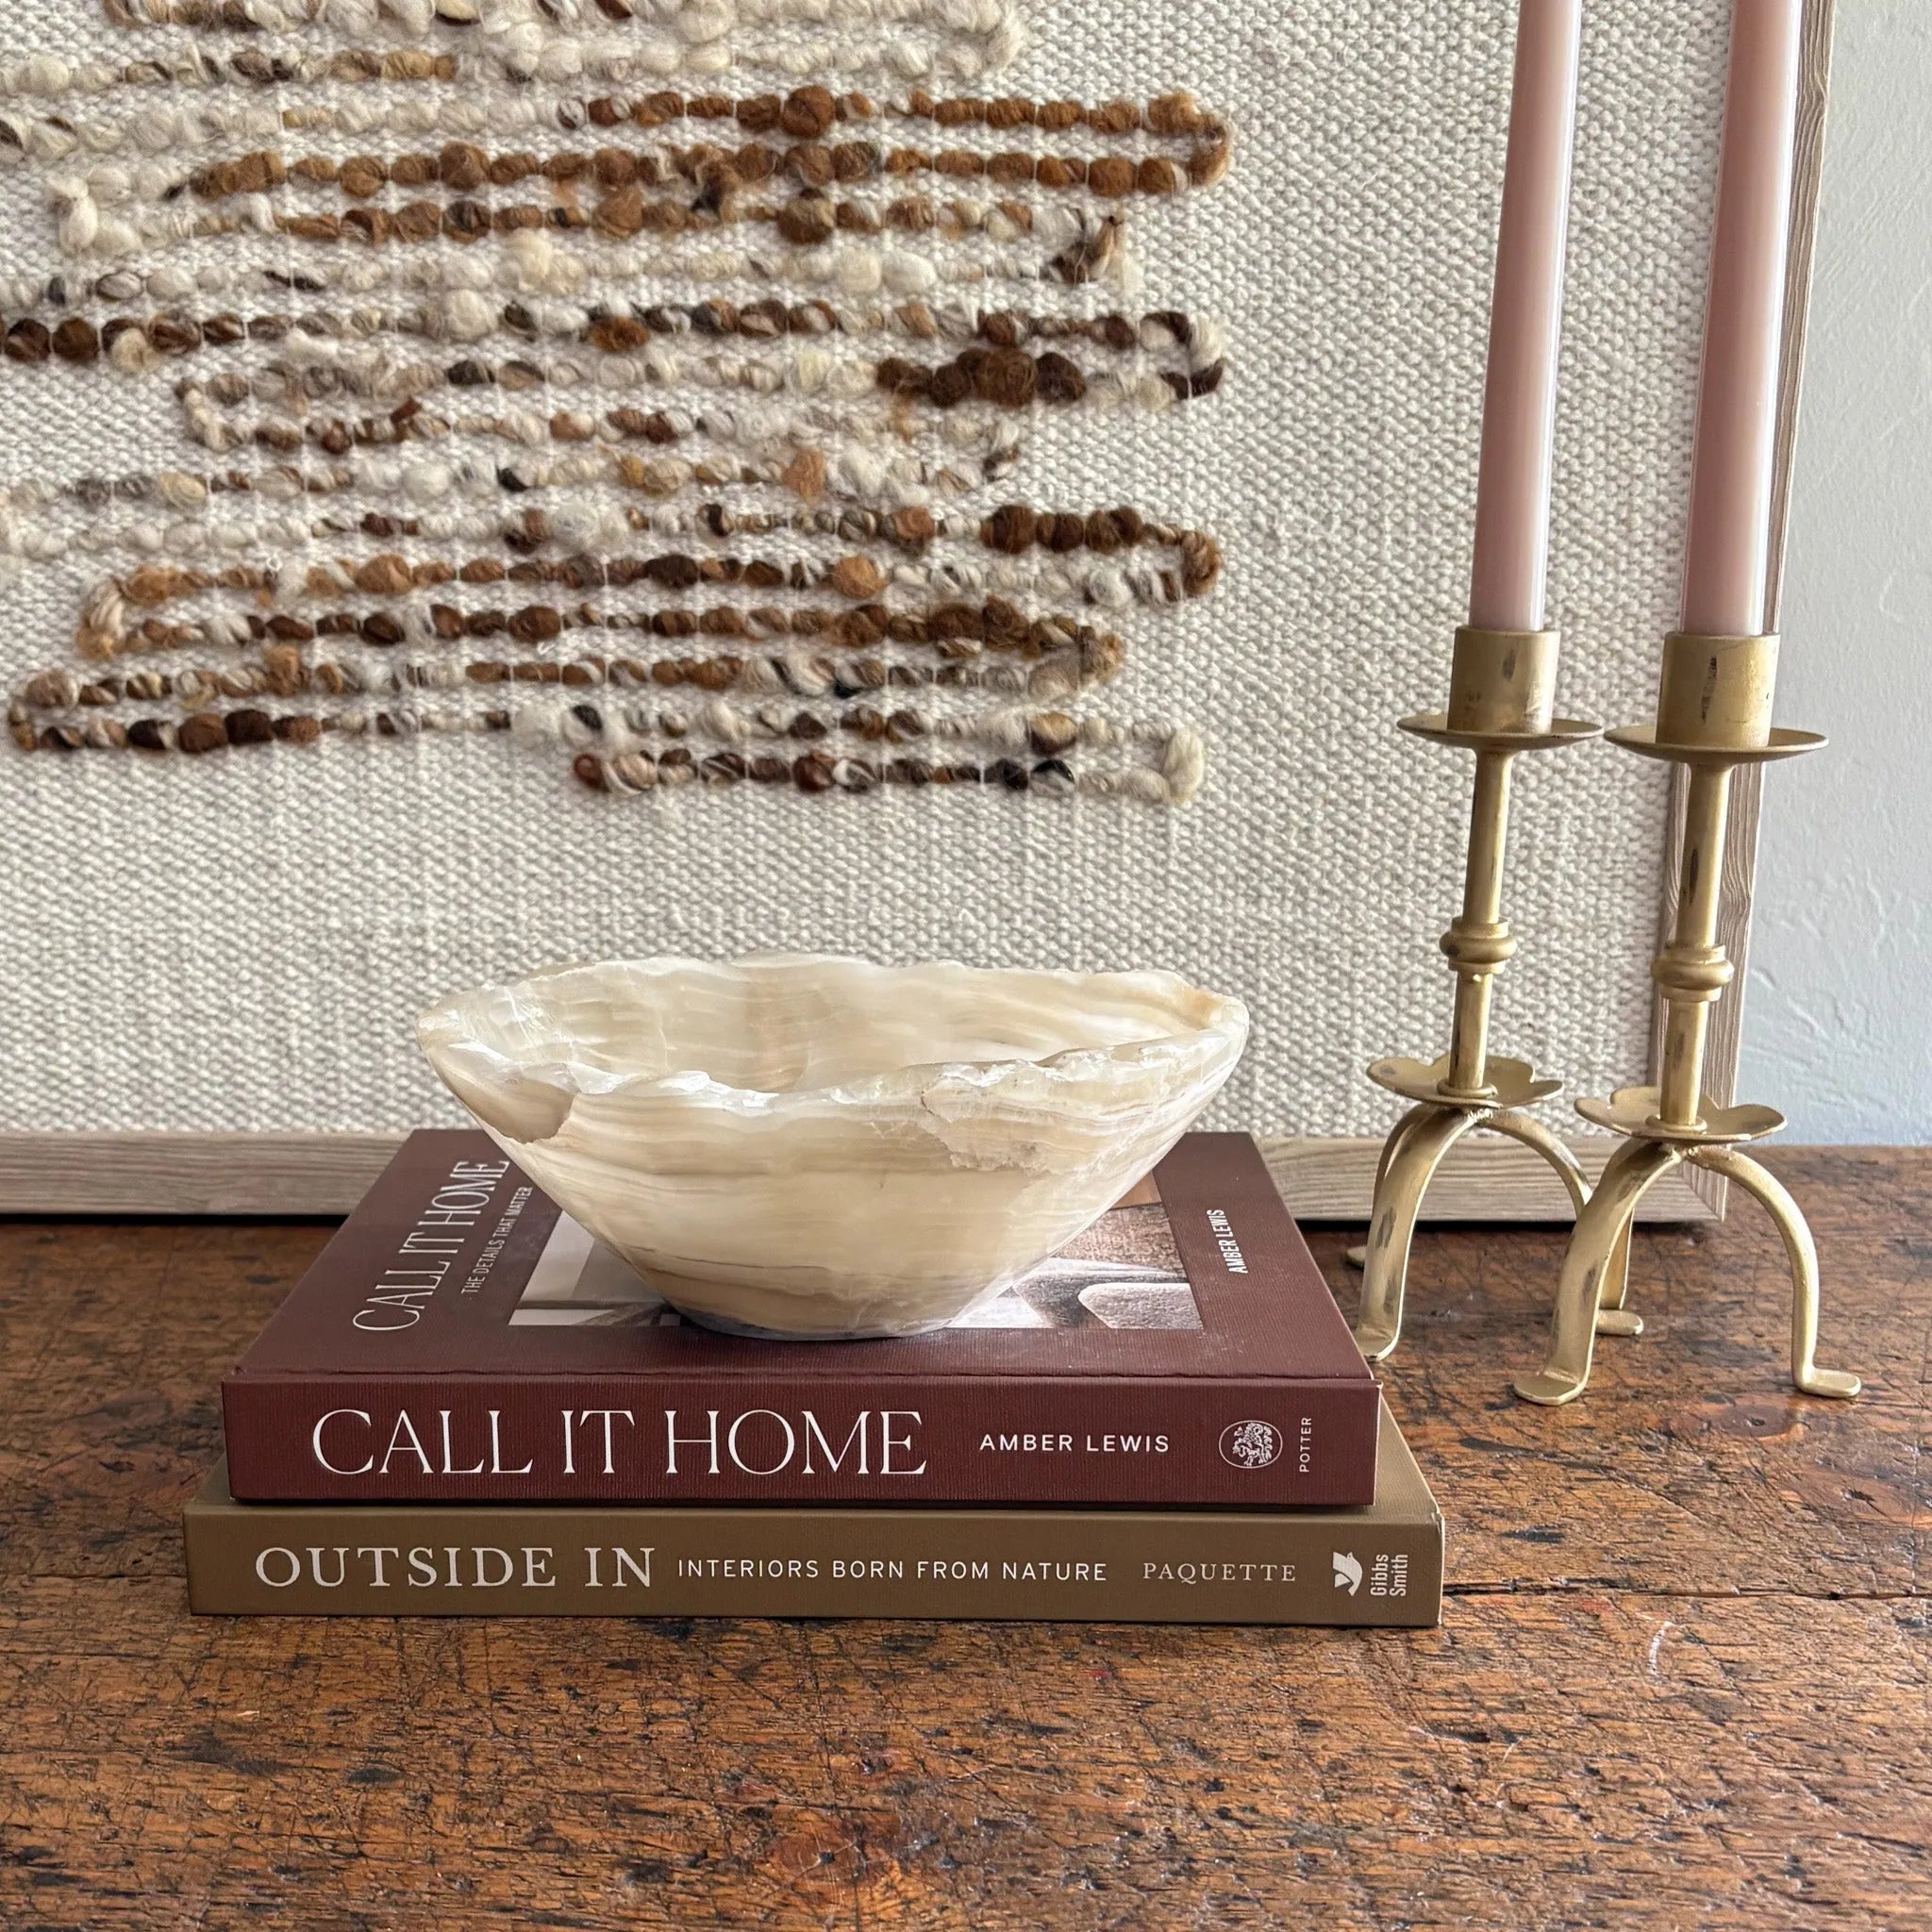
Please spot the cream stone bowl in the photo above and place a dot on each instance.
(800, 1145)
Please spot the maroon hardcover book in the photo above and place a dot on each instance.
(460, 1339)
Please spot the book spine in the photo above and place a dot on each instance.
(1120, 1440)
(257, 1560)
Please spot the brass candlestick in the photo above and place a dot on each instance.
(1502, 693)
(1713, 714)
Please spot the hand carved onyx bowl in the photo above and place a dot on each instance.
(800, 1145)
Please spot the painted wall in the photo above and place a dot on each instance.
(1839, 1031)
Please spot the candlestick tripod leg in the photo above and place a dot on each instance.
(1613, 1318)
(1802, 1252)
(1358, 1256)
(1601, 1232)
(1392, 1146)
(1410, 1156)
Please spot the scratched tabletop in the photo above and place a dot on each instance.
(1684, 1675)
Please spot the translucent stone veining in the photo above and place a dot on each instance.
(810, 1146)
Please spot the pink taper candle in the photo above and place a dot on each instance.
(1513, 498)
(1727, 552)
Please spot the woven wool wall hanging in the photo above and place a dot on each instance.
(489, 480)
(498, 437)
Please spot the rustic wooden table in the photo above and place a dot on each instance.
(1685, 1675)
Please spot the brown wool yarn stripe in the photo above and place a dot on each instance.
(914, 529)
(855, 577)
(410, 424)
(717, 171)
(804, 113)
(1047, 731)
(808, 222)
(254, 68)
(283, 671)
(1010, 378)
(626, 771)
(1044, 738)
(952, 630)
(811, 220)
(1009, 530)
(77, 339)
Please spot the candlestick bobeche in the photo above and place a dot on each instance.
(1713, 715)
(1500, 705)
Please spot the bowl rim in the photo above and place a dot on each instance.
(439, 1029)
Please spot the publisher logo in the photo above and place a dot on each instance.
(1250, 1445)
(1348, 1571)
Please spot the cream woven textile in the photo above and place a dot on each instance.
(237, 939)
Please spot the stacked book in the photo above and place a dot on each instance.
(468, 1406)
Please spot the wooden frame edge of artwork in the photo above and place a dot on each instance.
(1323, 1179)
(287, 1175)
(1740, 842)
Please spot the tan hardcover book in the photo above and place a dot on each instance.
(1378, 1565)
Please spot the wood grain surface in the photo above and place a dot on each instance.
(1685, 1675)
